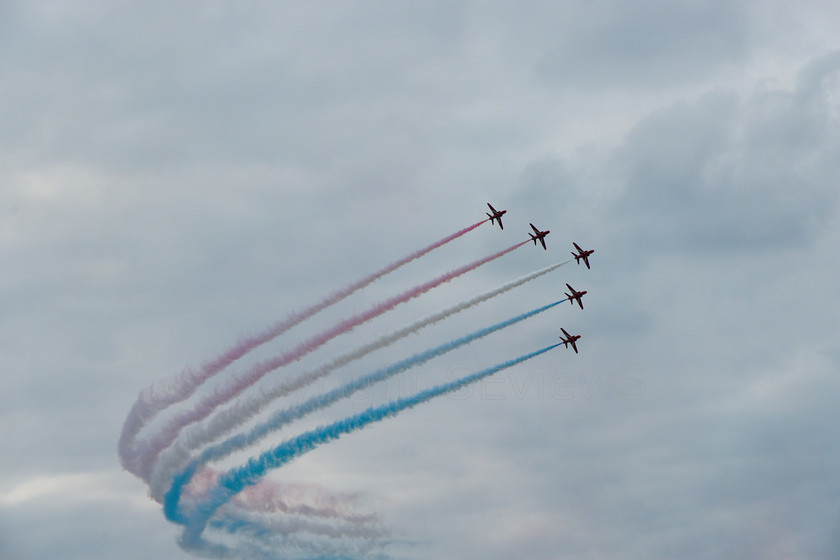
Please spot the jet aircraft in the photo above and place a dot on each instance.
(575, 295)
(496, 215)
(570, 339)
(538, 235)
(582, 254)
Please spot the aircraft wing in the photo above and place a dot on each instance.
(542, 240)
(533, 227)
(577, 247)
(586, 261)
(564, 332)
(491, 208)
(574, 347)
(580, 302)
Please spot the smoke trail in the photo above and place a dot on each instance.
(235, 480)
(283, 417)
(287, 525)
(161, 395)
(239, 412)
(149, 451)
(278, 540)
(294, 499)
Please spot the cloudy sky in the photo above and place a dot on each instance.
(177, 175)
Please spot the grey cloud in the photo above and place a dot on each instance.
(699, 465)
(175, 177)
(198, 86)
(76, 530)
(728, 175)
(646, 44)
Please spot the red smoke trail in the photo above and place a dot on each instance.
(147, 452)
(161, 395)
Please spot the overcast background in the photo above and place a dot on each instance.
(175, 175)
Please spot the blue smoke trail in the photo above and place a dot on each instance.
(283, 417)
(235, 480)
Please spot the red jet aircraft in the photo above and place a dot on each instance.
(575, 295)
(496, 215)
(538, 235)
(582, 254)
(570, 339)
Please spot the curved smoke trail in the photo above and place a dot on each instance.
(240, 411)
(284, 417)
(147, 452)
(161, 395)
(234, 481)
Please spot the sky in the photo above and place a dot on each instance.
(176, 176)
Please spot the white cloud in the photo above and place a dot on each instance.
(54, 491)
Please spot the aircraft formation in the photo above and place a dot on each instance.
(167, 443)
(582, 254)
